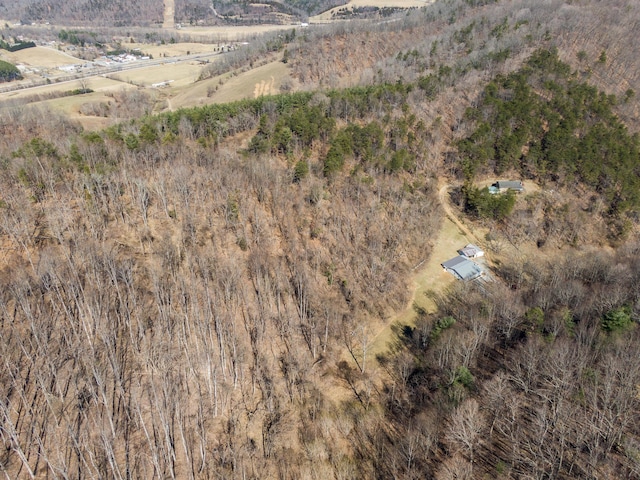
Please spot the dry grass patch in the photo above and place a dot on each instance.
(389, 3)
(41, 57)
(328, 15)
(71, 105)
(93, 124)
(183, 73)
(232, 33)
(98, 84)
(173, 49)
(264, 80)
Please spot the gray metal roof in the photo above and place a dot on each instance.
(454, 262)
(463, 268)
(515, 185)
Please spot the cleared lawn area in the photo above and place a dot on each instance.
(454, 234)
(430, 277)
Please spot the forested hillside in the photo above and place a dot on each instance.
(189, 297)
(549, 126)
(84, 12)
(472, 44)
(195, 294)
(146, 12)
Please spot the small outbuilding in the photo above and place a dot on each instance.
(506, 185)
(471, 251)
(462, 268)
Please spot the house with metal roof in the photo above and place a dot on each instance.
(462, 268)
(506, 185)
(471, 251)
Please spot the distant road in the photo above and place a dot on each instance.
(105, 70)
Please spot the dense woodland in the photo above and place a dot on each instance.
(194, 294)
(567, 129)
(78, 12)
(100, 13)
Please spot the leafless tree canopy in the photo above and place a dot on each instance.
(180, 298)
(172, 310)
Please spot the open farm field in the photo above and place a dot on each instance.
(98, 84)
(183, 90)
(39, 57)
(231, 33)
(102, 88)
(173, 49)
(181, 74)
(264, 80)
(328, 15)
(388, 3)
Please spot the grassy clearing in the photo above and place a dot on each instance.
(173, 49)
(429, 277)
(389, 3)
(325, 16)
(70, 105)
(184, 73)
(453, 235)
(264, 80)
(98, 84)
(40, 57)
(229, 33)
